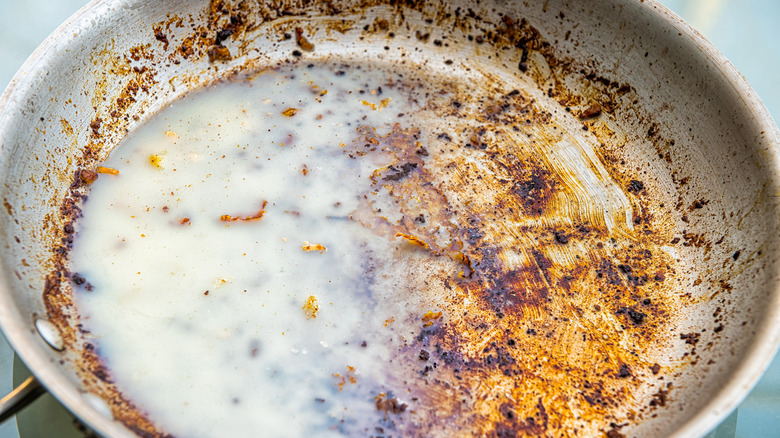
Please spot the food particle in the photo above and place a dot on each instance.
(88, 176)
(311, 307)
(255, 217)
(313, 247)
(590, 112)
(156, 160)
(303, 43)
(413, 240)
(108, 170)
(430, 317)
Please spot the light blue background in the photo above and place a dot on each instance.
(746, 31)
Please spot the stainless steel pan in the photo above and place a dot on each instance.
(684, 114)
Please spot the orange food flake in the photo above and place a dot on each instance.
(255, 217)
(351, 377)
(108, 170)
(311, 307)
(289, 112)
(430, 317)
(303, 43)
(156, 160)
(313, 247)
(414, 240)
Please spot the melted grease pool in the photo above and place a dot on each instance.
(335, 249)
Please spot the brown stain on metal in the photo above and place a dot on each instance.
(537, 339)
(544, 319)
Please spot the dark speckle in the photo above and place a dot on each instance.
(634, 316)
(635, 186)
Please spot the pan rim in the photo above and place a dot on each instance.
(764, 344)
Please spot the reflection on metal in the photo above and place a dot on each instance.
(20, 397)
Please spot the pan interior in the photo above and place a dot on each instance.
(599, 239)
(377, 247)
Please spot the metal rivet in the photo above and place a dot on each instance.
(50, 334)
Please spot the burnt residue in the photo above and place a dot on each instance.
(397, 173)
(538, 333)
(542, 331)
(57, 297)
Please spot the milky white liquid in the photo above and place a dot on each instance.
(204, 322)
(276, 250)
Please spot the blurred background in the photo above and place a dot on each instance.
(746, 31)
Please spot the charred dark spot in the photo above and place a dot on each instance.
(592, 111)
(635, 186)
(534, 191)
(653, 130)
(95, 126)
(389, 404)
(633, 315)
(222, 35)
(160, 36)
(690, 338)
(660, 398)
(399, 174)
(77, 279)
(614, 431)
(101, 373)
(636, 280)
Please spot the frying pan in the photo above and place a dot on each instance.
(665, 88)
